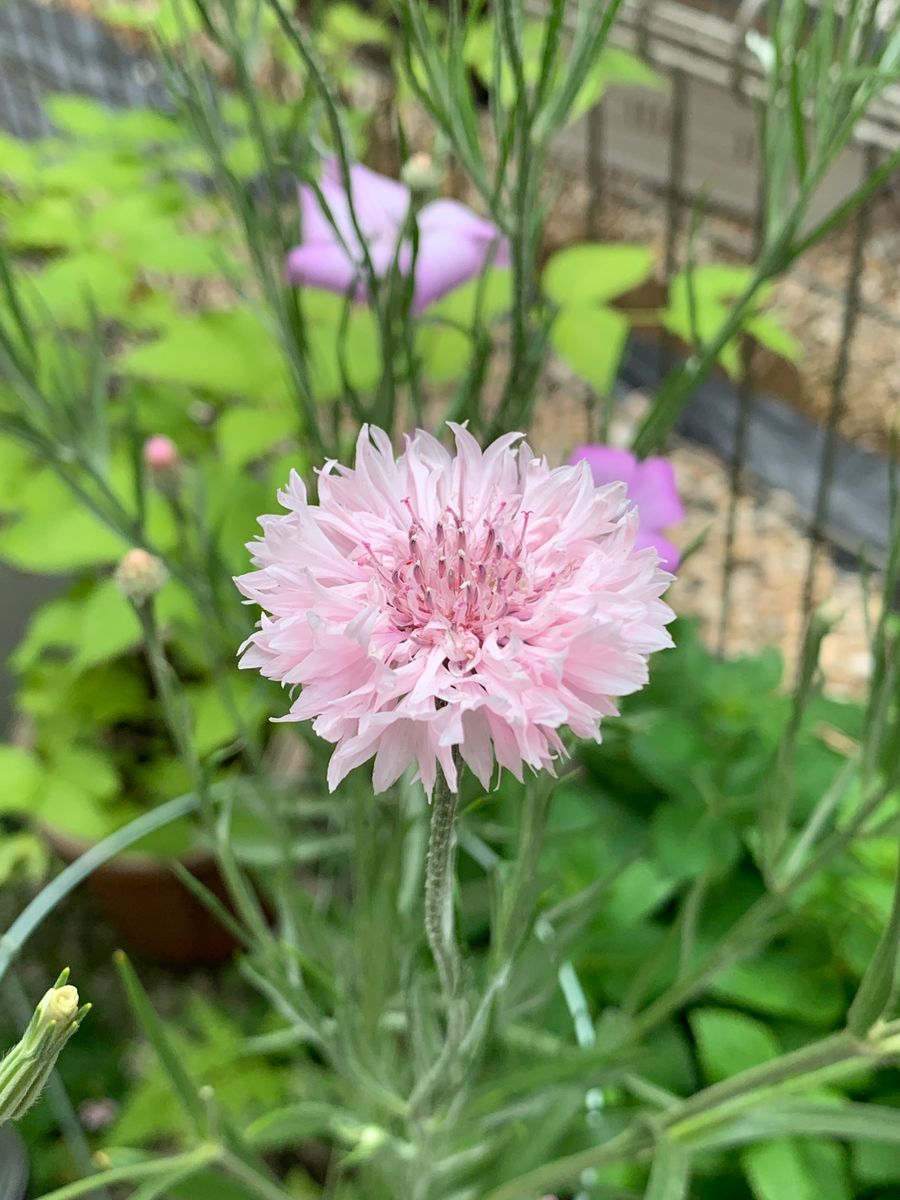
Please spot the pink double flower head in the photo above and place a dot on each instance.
(650, 486)
(454, 244)
(475, 602)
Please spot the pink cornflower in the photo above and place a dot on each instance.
(477, 602)
(454, 243)
(650, 484)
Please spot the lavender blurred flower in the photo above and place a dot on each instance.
(454, 243)
(650, 484)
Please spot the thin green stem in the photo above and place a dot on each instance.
(201, 1156)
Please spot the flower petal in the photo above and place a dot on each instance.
(669, 554)
(323, 265)
(444, 262)
(380, 202)
(655, 492)
(608, 464)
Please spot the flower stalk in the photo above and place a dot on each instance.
(439, 889)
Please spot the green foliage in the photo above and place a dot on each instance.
(586, 332)
(612, 66)
(700, 301)
(212, 1049)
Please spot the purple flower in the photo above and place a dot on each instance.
(454, 244)
(651, 487)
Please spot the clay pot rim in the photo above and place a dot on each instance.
(127, 862)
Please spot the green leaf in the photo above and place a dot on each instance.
(21, 776)
(595, 272)
(225, 353)
(775, 1170)
(444, 352)
(361, 348)
(729, 1042)
(91, 120)
(107, 627)
(66, 539)
(792, 981)
(769, 332)
(690, 840)
(190, 255)
(74, 813)
(47, 223)
(17, 161)
(22, 856)
(245, 435)
(86, 770)
(592, 341)
(75, 287)
(876, 1162)
(460, 305)
(348, 25)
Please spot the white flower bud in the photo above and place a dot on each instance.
(420, 173)
(140, 575)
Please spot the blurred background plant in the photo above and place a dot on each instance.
(716, 878)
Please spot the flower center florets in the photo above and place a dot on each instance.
(460, 584)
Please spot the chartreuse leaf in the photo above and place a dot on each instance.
(47, 223)
(714, 288)
(595, 272)
(225, 353)
(22, 856)
(18, 161)
(107, 626)
(349, 26)
(245, 435)
(73, 289)
(444, 352)
(48, 533)
(91, 120)
(20, 778)
(462, 304)
(592, 341)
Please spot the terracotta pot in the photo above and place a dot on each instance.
(151, 908)
(14, 1170)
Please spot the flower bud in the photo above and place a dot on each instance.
(140, 575)
(25, 1070)
(420, 173)
(161, 455)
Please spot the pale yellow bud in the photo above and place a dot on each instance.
(140, 575)
(420, 173)
(59, 1004)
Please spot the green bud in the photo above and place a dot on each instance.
(25, 1070)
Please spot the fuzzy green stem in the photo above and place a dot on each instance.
(439, 889)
